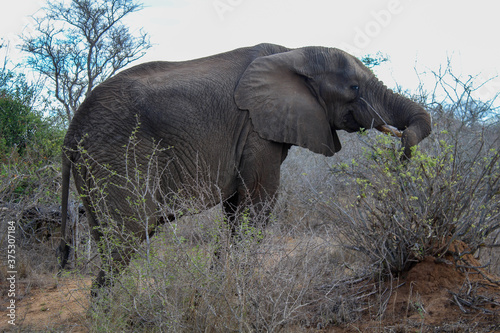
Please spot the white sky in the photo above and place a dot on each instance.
(421, 33)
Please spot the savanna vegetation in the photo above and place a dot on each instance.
(341, 243)
(342, 228)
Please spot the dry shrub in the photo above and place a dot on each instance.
(266, 281)
(404, 211)
(27, 187)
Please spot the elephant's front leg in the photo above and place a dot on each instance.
(248, 210)
(245, 218)
(230, 210)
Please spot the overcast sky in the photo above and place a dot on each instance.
(413, 33)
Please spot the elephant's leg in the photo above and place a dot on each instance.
(227, 229)
(115, 255)
(247, 213)
(230, 210)
(239, 214)
(115, 260)
(259, 177)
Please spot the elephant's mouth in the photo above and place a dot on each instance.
(350, 124)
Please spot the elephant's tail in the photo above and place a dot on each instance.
(63, 249)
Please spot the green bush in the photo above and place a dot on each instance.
(29, 145)
(14, 117)
(25, 131)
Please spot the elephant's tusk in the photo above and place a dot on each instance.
(390, 130)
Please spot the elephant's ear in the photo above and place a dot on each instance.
(282, 105)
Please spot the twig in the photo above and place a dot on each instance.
(460, 301)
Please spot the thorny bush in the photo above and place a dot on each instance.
(405, 210)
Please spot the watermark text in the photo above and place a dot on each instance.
(11, 272)
(380, 20)
(222, 7)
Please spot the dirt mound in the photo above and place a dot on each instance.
(451, 294)
(436, 292)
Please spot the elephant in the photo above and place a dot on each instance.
(229, 119)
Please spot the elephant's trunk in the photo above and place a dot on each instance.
(406, 116)
(418, 127)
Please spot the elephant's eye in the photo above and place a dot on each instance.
(355, 88)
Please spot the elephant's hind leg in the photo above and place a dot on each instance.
(115, 255)
(112, 263)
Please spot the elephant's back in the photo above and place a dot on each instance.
(153, 88)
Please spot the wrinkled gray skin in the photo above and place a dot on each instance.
(227, 120)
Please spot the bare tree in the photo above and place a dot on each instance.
(77, 44)
(458, 95)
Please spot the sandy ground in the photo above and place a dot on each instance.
(61, 306)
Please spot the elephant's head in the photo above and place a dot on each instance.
(303, 96)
